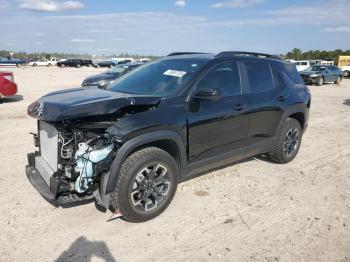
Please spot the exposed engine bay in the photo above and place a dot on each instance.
(72, 158)
(84, 155)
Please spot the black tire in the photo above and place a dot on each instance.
(34, 65)
(49, 65)
(281, 153)
(320, 81)
(338, 81)
(123, 198)
(346, 73)
(78, 65)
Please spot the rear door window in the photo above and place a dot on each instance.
(259, 77)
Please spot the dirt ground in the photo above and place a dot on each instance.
(251, 211)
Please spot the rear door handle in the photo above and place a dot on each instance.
(281, 98)
(238, 107)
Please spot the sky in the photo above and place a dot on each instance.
(158, 27)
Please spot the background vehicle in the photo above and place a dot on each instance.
(129, 145)
(320, 74)
(107, 64)
(123, 60)
(343, 62)
(8, 86)
(302, 65)
(43, 62)
(102, 80)
(11, 62)
(74, 63)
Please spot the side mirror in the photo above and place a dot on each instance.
(206, 93)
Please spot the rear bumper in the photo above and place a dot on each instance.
(8, 89)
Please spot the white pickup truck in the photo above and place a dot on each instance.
(346, 70)
(44, 62)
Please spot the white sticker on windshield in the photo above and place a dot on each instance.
(175, 73)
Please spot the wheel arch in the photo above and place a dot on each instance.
(169, 141)
(300, 117)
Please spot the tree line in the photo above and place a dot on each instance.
(25, 55)
(296, 54)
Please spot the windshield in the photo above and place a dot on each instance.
(117, 70)
(160, 78)
(316, 68)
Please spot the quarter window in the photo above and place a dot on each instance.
(224, 77)
(259, 77)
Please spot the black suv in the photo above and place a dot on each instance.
(130, 145)
(75, 63)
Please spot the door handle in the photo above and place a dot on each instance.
(238, 107)
(281, 98)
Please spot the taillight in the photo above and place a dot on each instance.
(9, 77)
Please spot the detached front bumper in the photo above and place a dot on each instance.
(50, 192)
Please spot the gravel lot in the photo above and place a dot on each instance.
(251, 211)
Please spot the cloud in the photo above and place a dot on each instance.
(339, 29)
(79, 40)
(180, 3)
(236, 3)
(50, 5)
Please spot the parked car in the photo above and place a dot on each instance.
(43, 62)
(74, 63)
(107, 64)
(8, 86)
(302, 65)
(320, 74)
(104, 79)
(11, 62)
(130, 145)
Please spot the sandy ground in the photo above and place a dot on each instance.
(251, 211)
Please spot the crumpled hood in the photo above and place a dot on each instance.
(84, 102)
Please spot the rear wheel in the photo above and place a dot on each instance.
(288, 143)
(338, 81)
(146, 184)
(320, 81)
(346, 73)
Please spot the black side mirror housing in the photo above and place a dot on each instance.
(206, 93)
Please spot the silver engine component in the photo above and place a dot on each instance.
(85, 157)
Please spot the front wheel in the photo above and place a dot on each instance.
(338, 81)
(320, 81)
(288, 143)
(146, 184)
(346, 73)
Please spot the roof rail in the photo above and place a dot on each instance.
(186, 53)
(243, 53)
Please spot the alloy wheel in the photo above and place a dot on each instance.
(291, 142)
(150, 188)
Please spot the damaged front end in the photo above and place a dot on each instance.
(70, 162)
(75, 151)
